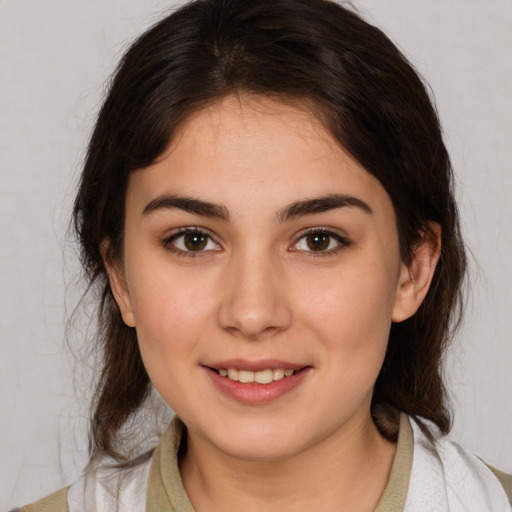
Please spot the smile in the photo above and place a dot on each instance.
(256, 383)
(266, 376)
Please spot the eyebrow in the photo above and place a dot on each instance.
(320, 205)
(297, 209)
(187, 204)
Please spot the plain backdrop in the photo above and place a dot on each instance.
(55, 57)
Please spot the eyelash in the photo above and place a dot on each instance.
(169, 242)
(342, 242)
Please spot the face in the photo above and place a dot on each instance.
(262, 272)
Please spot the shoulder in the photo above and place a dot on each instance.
(505, 480)
(447, 477)
(103, 486)
(106, 486)
(56, 502)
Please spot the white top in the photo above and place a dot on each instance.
(444, 478)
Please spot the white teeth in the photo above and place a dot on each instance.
(261, 377)
(278, 374)
(232, 374)
(245, 376)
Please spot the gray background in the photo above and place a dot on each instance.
(54, 58)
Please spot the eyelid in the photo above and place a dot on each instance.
(168, 240)
(342, 240)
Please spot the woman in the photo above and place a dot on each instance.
(267, 207)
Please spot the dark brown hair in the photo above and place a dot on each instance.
(357, 83)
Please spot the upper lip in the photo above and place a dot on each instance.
(255, 366)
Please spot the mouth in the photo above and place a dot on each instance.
(266, 376)
(256, 383)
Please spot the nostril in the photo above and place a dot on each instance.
(251, 303)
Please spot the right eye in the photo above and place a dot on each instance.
(191, 241)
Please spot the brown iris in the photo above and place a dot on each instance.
(195, 241)
(318, 241)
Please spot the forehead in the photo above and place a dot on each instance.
(251, 149)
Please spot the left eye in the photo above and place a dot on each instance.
(193, 242)
(319, 241)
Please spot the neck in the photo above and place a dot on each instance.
(347, 471)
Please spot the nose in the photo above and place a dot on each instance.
(254, 301)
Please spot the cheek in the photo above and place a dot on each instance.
(171, 319)
(170, 309)
(351, 311)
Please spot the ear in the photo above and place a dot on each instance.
(415, 278)
(118, 284)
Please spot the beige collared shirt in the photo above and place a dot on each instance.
(419, 480)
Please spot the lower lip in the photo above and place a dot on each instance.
(253, 393)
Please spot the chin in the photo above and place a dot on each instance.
(261, 442)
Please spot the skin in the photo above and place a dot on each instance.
(258, 291)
